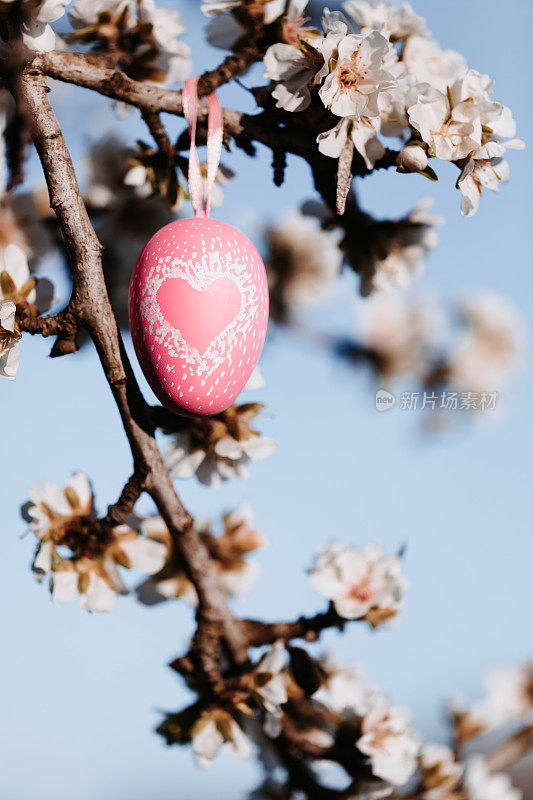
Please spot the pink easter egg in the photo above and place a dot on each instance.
(198, 308)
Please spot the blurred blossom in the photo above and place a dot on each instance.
(255, 381)
(407, 249)
(399, 21)
(259, 10)
(32, 19)
(404, 331)
(415, 337)
(302, 263)
(269, 687)
(228, 551)
(123, 220)
(492, 347)
(481, 784)
(143, 39)
(388, 740)
(216, 729)
(341, 686)
(509, 698)
(362, 583)
(440, 772)
(80, 554)
(390, 254)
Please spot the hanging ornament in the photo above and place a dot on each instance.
(198, 301)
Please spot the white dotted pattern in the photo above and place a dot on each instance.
(199, 251)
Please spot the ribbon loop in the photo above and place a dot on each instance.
(214, 146)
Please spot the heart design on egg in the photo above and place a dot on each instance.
(198, 307)
(199, 314)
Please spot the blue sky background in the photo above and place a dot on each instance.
(81, 692)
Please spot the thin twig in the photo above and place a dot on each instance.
(258, 633)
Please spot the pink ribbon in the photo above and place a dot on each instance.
(214, 145)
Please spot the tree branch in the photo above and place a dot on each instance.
(64, 325)
(511, 751)
(118, 513)
(93, 73)
(272, 127)
(258, 633)
(94, 312)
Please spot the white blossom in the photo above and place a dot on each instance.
(167, 26)
(342, 687)
(390, 121)
(270, 688)
(451, 131)
(394, 21)
(50, 505)
(354, 86)
(37, 33)
(229, 458)
(387, 740)
(428, 63)
(440, 772)
(16, 283)
(509, 698)
(255, 381)
(216, 729)
(361, 582)
(363, 133)
(464, 123)
(481, 784)
(294, 69)
(477, 175)
(229, 553)
(9, 341)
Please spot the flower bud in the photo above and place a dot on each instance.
(413, 158)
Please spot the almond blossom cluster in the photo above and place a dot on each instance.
(81, 555)
(478, 346)
(443, 777)
(385, 78)
(302, 264)
(229, 552)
